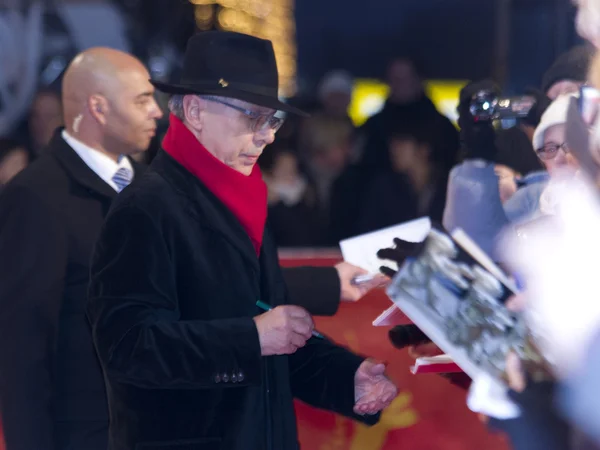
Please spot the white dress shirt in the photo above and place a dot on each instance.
(101, 164)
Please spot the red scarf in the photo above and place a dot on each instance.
(245, 196)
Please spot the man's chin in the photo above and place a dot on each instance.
(245, 170)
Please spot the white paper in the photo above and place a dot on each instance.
(362, 250)
(391, 317)
(430, 361)
(489, 397)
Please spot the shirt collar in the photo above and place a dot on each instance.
(101, 164)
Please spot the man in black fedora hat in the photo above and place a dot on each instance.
(190, 315)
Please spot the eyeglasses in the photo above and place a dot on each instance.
(549, 151)
(258, 122)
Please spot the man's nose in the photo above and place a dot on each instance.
(561, 156)
(156, 111)
(271, 135)
(267, 135)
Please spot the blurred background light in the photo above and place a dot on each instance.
(266, 19)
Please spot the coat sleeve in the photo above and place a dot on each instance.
(136, 325)
(33, 246)
(322, 375)
(316, 289)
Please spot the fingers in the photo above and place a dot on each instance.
(300, 324)
(516, 303)
(375, 369)
(352, 293)
(367, 409)
(298, 340)
(371, 368)
(294, 311)
(372, 403)
(388, 253)
(407, 247)
(424, 350)
(302, 328)
(347, 271)
(369, 406)
(516, 378)
(387, 271)
(359, 271)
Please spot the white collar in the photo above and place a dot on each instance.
(101, 164)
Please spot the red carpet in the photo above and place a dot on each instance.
(429, 413)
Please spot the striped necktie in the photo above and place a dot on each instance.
(122, 178)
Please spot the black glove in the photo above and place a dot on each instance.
(402, 336)
(477, 137)
(398, 253)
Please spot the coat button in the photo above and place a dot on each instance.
(240, 376)
(225, 378)
(217, 378)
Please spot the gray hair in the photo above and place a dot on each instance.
(176, 106)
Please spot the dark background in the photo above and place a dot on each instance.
(514, 41)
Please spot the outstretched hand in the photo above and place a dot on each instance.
(350, 292)
(347, 272)
(372, 389)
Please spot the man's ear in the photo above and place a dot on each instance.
(193, 110)
(98, 107)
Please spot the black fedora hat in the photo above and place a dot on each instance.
(231, 65)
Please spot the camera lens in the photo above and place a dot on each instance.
(483, 105)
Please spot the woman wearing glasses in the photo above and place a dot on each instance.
(550, 145)
(535, 198)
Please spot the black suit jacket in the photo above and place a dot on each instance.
(174, 285)
(51, 387)
(317, 289)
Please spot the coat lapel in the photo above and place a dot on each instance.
(205, 207)
(77, 169)
(138, 169)
(81, 172)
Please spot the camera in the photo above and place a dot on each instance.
(487, 106)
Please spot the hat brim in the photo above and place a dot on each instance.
(250, 97)
(555, 114)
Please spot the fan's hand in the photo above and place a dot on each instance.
(398, 254)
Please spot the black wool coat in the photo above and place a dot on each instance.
(174, 285)
(52, 393)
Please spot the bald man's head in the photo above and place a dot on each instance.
(109, 102)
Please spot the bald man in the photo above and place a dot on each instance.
(52, 393)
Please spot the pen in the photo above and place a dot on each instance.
(362, 279)
(265, 307)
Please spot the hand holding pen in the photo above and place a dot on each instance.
(284, 329)
(370, 281)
